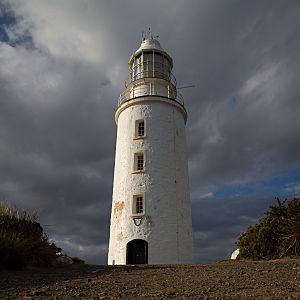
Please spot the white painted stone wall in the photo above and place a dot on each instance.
(167, 224)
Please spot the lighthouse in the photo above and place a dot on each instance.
(151, 219)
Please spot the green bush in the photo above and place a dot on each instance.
(276, 235)
(22, 241)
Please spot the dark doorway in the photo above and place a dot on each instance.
(137, 252)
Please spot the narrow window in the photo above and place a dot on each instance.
(139, 131)
(141, 128)
(138, 205)
(139, 161)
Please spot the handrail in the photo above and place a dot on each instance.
(179, 98)
(150, 74)
(151, 89)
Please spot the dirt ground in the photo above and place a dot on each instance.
(279, 279)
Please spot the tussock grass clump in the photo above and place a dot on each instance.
(276, 235)
(22, 241)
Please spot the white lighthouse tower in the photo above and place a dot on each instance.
(151, 215)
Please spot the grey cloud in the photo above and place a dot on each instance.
(59, 90)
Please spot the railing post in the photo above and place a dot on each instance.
(153, 74)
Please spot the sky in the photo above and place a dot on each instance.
(62, 68)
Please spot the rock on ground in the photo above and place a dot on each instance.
(235, 254)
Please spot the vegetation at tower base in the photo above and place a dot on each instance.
(22, 241)
(277, 235)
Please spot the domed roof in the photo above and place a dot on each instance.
(150, 43)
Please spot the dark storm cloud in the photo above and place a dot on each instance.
(63, 66)
(247, 118)
(55, 161)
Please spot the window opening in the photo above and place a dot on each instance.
(141, 128)
(140, 162)
(138, 205)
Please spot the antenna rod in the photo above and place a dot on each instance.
(186, 87)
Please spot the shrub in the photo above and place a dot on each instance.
(77, 261)
(276, 235)
(22, 241)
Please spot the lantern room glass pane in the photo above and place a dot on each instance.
(148, 64)
(136, 68)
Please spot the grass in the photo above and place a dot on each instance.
(23, 242)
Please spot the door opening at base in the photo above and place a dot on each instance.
(137, 252)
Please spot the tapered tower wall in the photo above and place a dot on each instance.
(167, 220)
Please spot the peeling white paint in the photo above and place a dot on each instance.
(167, 223)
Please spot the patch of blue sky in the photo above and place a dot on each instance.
(287, 185)
(7, 19)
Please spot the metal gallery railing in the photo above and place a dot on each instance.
(151, 89)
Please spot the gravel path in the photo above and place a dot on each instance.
(278, 279)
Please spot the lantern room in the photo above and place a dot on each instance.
(150, 61)
(150, 74)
